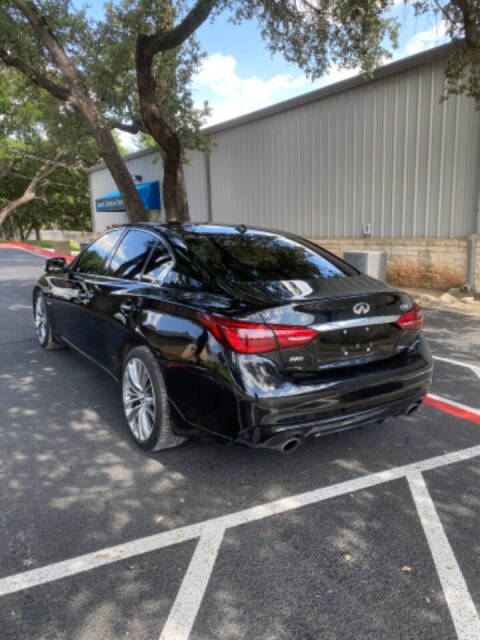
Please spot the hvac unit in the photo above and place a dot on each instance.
(373, 263)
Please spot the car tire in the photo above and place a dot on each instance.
(43, 327)
(142, 378)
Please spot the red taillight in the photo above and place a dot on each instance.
(292, 336)
(413, 319)
(254, 337)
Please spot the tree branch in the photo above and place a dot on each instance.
(132, 127)
(46, 36)
(30, 192)
(472, 33)
(165, 40)
(83, 102)
(44, 161)
(35, 76)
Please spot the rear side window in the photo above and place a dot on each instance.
(130, 255)
(158, 265)
(93, 258)
(251, 256)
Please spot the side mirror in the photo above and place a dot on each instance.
(56, 265)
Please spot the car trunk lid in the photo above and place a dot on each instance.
(354, 324)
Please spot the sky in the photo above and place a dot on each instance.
(239, 75)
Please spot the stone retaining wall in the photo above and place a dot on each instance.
(432, 263)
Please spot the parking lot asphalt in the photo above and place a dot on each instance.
(361, 555)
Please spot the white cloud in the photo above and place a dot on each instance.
(231, 95)
(427, 39)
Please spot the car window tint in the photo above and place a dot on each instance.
(158, 265)
(182, 278)
(130, 255)
(93, 258)
(251, 256)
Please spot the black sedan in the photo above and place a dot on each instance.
(250, 335)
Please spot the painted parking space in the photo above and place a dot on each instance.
(338, 569)
(77, 486)
(457, 381)
(129, 599)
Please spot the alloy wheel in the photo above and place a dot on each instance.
(41, 321)
(138, 399)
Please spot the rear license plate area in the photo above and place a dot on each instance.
(355, 342)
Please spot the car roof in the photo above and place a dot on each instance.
(187, 228)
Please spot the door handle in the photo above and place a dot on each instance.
(127, 307)
(85, 296)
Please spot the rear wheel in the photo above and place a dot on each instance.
(42, 323)
(145, 402)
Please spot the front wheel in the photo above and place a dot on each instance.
(145, 402)
(42, 323)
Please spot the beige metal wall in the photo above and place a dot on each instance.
(150, 167)
(387, 153)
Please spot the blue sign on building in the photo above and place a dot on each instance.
(149, 193)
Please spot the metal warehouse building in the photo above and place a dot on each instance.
(379, 163)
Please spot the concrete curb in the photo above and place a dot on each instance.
(36, 250)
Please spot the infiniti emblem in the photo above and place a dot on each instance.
(361, 308)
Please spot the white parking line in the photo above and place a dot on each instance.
(463, 611)
(467, 365)
(73, 566)
(190, 595)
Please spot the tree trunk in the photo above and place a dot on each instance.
(175, 198)
(37, 233)
(174, 190)
(20, 228)
(78, 96)
(14, 204)
(112, 157)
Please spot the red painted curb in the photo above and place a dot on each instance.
(31, 249)
(452, 409)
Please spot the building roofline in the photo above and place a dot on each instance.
(410, 62)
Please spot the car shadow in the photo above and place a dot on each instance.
(76, 482)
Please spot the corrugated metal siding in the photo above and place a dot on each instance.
(150, 167)
(196, 182)
(388, 153)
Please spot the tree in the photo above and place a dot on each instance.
(132, 70)
(38, 191)
(461, 19)
(33, 59)
(31, 192)
(42, 158)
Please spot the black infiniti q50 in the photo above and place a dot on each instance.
(250, 335)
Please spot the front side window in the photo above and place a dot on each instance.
(130, 255)
(93, 258)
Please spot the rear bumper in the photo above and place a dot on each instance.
(338, 401)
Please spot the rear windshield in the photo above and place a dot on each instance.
(251, 256)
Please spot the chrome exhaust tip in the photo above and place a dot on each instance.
(287, 446)
(412, 408)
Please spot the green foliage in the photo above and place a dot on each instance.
(111, 68)
(317, 33)
(64, 199)
(35, 127)
(462, 21)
